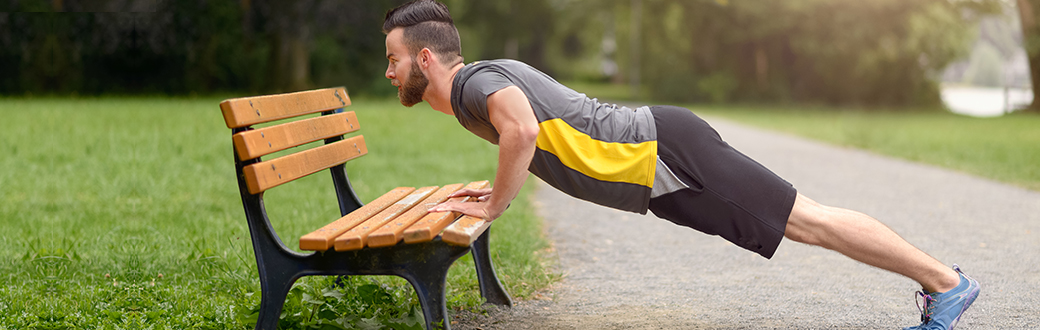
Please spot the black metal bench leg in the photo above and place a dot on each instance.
(272, 299)
(430, 284)
(490, 287)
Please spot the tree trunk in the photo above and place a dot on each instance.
(289, 61)
(635, 47)
(300, 61)
(1031, 37)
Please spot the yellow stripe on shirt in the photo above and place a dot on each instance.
(605, 161)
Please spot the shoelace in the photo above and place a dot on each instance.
(926, 312)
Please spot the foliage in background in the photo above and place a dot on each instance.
(885, 52)
(506, 29)
(997, 56)
(190, 47)
(839, 52)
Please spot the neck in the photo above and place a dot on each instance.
(438, 93)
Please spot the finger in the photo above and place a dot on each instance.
(443, 207)
(453, 207)
(471, 192)
(467, 208)
(463, 192)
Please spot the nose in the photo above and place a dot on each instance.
(390, 72)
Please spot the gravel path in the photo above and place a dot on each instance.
(627, 271)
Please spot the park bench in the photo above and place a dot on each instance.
(392, 235)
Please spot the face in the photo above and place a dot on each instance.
(403, 71)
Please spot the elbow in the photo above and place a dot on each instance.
(523, 134)
(529, 133)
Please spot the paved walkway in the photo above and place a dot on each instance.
(626, 271)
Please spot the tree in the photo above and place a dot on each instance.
(290, 34)
(517, 29)
(1031, 38)
(879, 52)
(192, 46)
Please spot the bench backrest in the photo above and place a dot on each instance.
(251, 143)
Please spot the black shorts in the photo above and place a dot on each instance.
(730, 194)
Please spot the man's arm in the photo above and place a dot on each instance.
(511, 114)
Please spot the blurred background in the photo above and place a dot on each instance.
(888, 53)
(118, 207)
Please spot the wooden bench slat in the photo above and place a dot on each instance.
(241, 112)
(433, 223)
(322, 239)
(355, 238)
(464, 231)
(268, 174)
(255, 143)
(391, 233)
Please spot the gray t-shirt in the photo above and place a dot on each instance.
(602, 153)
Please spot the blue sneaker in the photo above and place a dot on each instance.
(942, 311)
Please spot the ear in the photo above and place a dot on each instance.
(425, 58)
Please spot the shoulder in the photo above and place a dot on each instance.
(482, 78)
(501, 66)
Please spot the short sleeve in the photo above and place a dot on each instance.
(479, 87)
(473, 99)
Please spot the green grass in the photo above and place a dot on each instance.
(1002, 148)
(123, 213)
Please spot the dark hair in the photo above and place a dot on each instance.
(427, 24)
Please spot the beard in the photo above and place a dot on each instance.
(411, 92)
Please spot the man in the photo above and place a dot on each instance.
(662, 159)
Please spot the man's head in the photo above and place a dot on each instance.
(412, 29)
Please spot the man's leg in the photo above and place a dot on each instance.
(867, 240)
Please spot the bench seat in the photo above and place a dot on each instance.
(401, 212)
